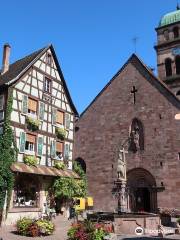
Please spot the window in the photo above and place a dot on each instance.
(26, 192)
(59, 150)
(30, 143)
(48, 59)
(176, 32)
(177, 61)
(168, 67)
(32, 107)
(47, 85)
(166, 35)
(1, 102)
(60, 118)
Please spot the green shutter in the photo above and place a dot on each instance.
(54, 113)
(25, 104)
(39, 146)
(53, 149)
(41, 110)
(67, 120)
(22, 142)
(66, 151)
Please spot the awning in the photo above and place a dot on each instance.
(42, 170)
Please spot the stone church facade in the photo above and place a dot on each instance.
(136, 111)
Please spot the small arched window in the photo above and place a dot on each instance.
(177, 61)
(168, 66)
(166, 34)
(176, 32)
(136, 136)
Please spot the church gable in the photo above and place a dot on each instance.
(137, 66)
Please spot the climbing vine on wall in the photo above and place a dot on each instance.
(8, 154)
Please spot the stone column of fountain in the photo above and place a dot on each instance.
(121, 182)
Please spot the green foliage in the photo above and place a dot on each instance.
(60, 133)
(178, 220)
(59, 165)
(7, 157)
(99, 234)
(70, 187)
(23, 225)
(78, 169)
(33, 124)
(46, 227)
(83, 182)
(88, 230)
(31, 227)
(30, 160)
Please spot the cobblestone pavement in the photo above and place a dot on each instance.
(61, 227)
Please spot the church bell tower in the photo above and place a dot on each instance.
(168, 50)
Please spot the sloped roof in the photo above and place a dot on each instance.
(18, 68)
(149, 75)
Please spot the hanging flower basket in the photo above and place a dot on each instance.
(60, 133)
(30, 160)
(32, 124)
(59, 165)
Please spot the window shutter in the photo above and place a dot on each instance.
(66, 151)
(25, 104)
(60, 117)
(39, 146)
(41, 110)
(67, 120)
(53, 149)
(22, 142)
(32, 105)
(54, 113)
(1, 102)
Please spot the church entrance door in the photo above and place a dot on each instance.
(142, 198)
(142, 191)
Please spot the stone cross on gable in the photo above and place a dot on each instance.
(134, 91)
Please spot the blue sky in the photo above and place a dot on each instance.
(92, 39)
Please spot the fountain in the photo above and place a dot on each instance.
(125, 221)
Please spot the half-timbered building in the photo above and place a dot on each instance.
(42, 120)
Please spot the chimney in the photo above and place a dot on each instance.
(6, 55)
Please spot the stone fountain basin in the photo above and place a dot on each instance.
(127, 223)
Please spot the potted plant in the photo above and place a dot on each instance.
(60, 133)
(59, 165)
(32, 124)
(30, 160)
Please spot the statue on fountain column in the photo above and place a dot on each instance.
(121, 165)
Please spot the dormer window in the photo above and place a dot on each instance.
(48, 59)
(47, 85)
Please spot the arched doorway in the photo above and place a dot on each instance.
(142, 191)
